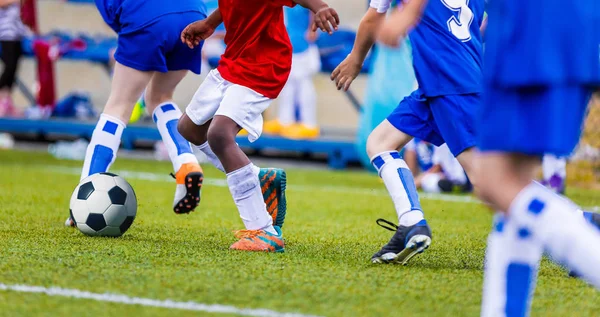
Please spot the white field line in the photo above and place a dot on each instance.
(124, 299)
(155, 177)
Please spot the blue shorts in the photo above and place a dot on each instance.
(533, 120)
(157, 45)
(442, 119)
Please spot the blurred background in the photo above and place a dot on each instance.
(56, 78)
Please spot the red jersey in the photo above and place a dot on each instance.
(258, 53)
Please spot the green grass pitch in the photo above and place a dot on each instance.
(330, 232)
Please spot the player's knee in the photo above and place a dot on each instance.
(184, 130)
(377, 143)
(219, 139)
(185, 127)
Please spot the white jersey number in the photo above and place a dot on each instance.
(460, 27)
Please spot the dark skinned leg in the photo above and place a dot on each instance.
(195, 134)
(221, 138)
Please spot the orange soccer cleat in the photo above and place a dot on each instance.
(259, 240)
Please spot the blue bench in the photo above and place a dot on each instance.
(339, 152)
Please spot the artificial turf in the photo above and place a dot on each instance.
(330, 234)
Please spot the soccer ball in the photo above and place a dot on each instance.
(103, 204)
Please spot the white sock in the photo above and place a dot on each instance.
(542, 218)
(214, 160)
(511, 265)
(245, 189)
(255, 170)
(166, 116)
(212, 157)
(307, 101)
(567, 236)
(103, 147)
(287, 102)
(552, 165)
(400, 185)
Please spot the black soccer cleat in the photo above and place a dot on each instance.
(188, 181)
(405, 244)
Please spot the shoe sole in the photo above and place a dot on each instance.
(280, 183)
(193, 184)
(416, 245)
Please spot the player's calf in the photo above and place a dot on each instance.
(221, 139)
(242, 178)
(195, 134)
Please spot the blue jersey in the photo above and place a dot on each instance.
(130, 15)
(447, 47)
(297, 20)
(543, 42)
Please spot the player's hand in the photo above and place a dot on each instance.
(346, 72)
(196, 32)
(390, 34)
(325, 19)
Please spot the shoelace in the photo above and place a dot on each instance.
(386, 224)
(240, 234)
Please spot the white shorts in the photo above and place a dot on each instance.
(217, 96)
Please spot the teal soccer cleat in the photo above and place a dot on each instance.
(272, 184)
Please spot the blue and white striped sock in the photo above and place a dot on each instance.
(103, 147)
(511, 265)
(539, 220)
(400, 185)
(166, 116)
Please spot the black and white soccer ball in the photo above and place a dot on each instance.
(103, 204)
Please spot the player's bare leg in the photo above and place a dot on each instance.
(260, 234)
(127, 86)
(533, 220)
(412, 235)
(273, 181)
(221, 138)
(165, 113)
(467, 161)
(196, 134)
